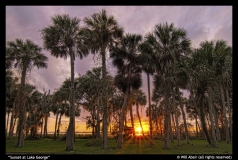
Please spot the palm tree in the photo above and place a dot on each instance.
(91, 87)
(209, 60)
(24, 56)
(168, 43)
(11, 83)
(45, 104)
(125, 58)
(148, 65)
(63, 40)
(102, 32)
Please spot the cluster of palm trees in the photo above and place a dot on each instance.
(165, 54)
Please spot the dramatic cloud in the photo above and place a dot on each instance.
(201, 23)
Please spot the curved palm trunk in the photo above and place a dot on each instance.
(150, 115)
(137, 111)
(184, 122)
(203, 121)
(22, 111)
(59, 123)
(71, 127)
(224, 114)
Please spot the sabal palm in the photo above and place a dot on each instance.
(9, 96)
(101, 33)
(91, 88)
(125, 58)
(168, 43)
(63, 40)
(213, 55)
(148, 62)
(199, 81)
(24, 55)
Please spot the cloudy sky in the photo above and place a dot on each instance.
(201, 23)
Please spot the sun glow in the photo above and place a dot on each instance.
(138, 131)
(141, 128)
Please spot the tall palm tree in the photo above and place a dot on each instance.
(148, 65)
(102, 32)
(63, 40)
(24, 56)
(125, 58)
(168, 43)
(209, 60)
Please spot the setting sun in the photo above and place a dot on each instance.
(138, 131)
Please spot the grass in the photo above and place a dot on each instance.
(87, 146)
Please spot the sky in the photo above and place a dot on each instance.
(201, 23)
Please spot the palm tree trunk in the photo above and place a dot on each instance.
(176, 119)
(184, 122)
(8, 113)
(160, 126)
(150, 115)
(10, 133)
(131, 115)
(177, 128)
(137, 110)
(121, 126)
(214, 144)
(45, 125)
(71, 127)
(125, 119)
(56, 122)
(59, 123)
(208, 122)
(171, 131)
(166, 125)
(157, 125)
(229, 112)
(41, 129)
(132, 120)
(218, 135)
(196, 121)
(203, 122)
(98, 121)
(224, 114)
(105, 110)
(22, 111)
